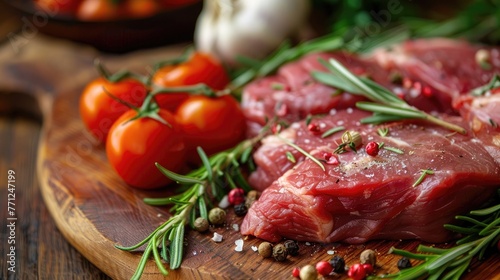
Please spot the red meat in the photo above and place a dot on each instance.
(365, 197)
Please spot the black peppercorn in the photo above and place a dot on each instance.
(338, 264)
(240, 210)
(403, 263)
(292, 247)
(279, 252)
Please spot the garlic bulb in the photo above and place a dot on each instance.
(251, 28)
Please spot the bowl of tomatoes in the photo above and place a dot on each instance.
(113, 25)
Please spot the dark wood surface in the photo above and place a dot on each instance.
(41, 250)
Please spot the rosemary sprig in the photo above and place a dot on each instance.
(424, 173)
(385, 105)
(283, 54)
(479, 237)
(203, 184)
(302, 151)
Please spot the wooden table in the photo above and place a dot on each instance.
(41, 250)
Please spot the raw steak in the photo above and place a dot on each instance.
(439, 70)
(428, 73)
(364, 197)
(292, 93)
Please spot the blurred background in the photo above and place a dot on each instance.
(119, 26)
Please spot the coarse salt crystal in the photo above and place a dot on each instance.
(255, 248)
(217, 237)
(224, 202)
(239, 245)
(236, 227)
(330, 252)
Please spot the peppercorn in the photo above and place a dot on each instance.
(324, 268)
(338, 264)
(236, 196)
(265, 249)
(217, 216)
(372, 149)
(296, 272)
(279, 252)
(357, 272)
(252, 196)
(403, 263)
(200, 224)
(314, 128)
(368, 256)
(292, 247)
(308, 272)
(368, 268)
(240, 210)
(352, 138)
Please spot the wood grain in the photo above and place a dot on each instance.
(95, 210)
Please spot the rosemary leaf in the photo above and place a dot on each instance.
(332, 131)
(157, 257)
(378, 118)
(383, 131)
(178, 177)
(206, 163)
(487, 211)
(394, 150)
(315, 160)
(202, 207)
(390, 110)
(177, 247)
(424, 172)
(290, 157)
(463, 230)
(450, 255)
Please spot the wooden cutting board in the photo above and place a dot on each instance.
(95, 210)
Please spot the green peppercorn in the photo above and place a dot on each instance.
(279, 252)
(265, 249)
(368, 256)
(338, 264)
(200, 224)
(252, 196)
(403, 263)
(217, 216)
(292, 247)
(308, 272)
(240, 210)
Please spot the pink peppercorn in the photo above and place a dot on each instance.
(236, 196)
(314, 128)
(296, 272)
(331, 158)
(324, 268)
(368, 268)
(372, 149)
(357, 272)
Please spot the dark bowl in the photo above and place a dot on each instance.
(117, 36)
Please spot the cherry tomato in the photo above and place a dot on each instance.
(99, 110)
(198, 68)
(215, 124)
(98, 10)
(54, 7)
(135, 145)
(140, 8)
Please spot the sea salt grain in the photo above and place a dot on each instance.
(217, 237)
(236, 227)
(255, 248)
(239, 245)
(224, 202)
